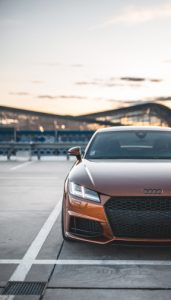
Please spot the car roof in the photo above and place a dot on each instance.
(132, 128)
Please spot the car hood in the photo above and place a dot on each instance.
(123, 177)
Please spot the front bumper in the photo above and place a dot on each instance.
(95, 213)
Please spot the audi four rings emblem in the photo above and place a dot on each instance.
(153, 191)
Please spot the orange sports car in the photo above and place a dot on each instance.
(120, 188)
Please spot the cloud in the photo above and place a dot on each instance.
(139, 79)
(19, 94)
(134, 15)
(163, 98)
(66, 97)
(58, 64)
(134, 79)
(158, 99)
(102, 83)
(71, 97)
(77, 66)
(124, 101)
(46, 97)
(87, 83)
(119, 81)
(155, 80)
(37, 81)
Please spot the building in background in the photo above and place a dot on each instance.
(141, 114)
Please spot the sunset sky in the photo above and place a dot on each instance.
(80, 56)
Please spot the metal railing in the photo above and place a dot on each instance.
(37, 149)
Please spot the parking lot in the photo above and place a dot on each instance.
(32, 249)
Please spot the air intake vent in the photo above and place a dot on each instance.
(85, 227)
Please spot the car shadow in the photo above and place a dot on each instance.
(116, 251)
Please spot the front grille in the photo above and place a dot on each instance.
(85, 227)
(140, 217)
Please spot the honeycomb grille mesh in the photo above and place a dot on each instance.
(140, 217)
(85, 227)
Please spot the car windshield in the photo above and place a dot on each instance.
(133, 144)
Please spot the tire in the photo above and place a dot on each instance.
(62, 225)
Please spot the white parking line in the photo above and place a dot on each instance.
(10, 261)
(28, 260)
(91, 262)
(22, 165)
(7, 297)
(103, 262)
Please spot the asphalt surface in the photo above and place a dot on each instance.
(32, 248)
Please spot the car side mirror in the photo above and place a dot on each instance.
(75, 151)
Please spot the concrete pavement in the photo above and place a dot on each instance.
(30, 237)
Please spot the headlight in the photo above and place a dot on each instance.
(81, 191)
